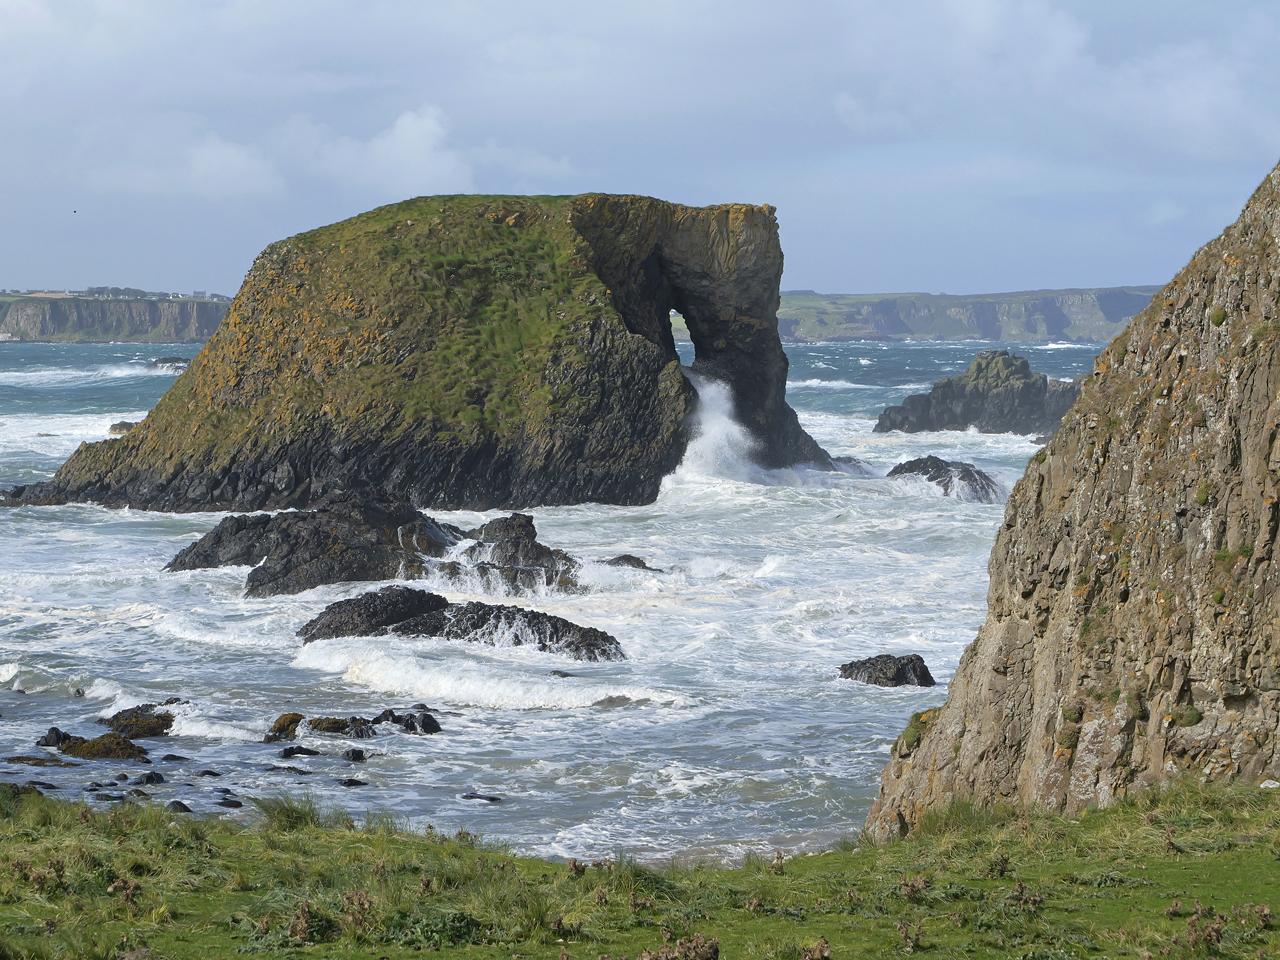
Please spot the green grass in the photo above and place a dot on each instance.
(1185, 873)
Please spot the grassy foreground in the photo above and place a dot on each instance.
(1189, 872)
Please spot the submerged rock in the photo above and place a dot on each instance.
(627, 560)
(336, 365)
(997, 394)
(285, 728)
(109, 746)
(357, 727)
(958, 479)
(169, 364)
(474, 622)
(886, 670)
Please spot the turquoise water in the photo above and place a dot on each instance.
(726, 729)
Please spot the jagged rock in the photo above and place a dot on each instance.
(285, 728)
(509, 546)
(591, 406)
(150, 778)
(142, 720)
(288, 752)
(354, 755)
(474, 622)
(366, 614)
(997, 394)
(121, 427)
(351, 537)
(356, 727)
(957, 479)
(54, 738)
(852, 466)
(886, 670)
(1132, 629)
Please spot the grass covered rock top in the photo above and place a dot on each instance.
(465, 352)
(1131, 631)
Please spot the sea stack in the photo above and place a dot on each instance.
(1132, 630)
(465, 352)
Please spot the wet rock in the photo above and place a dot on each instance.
(997, 394)
(208, 773)
(354, 755)
(108, 797)
(40, 761)
(54, 738)
(474, 622)
(109, 746)
(174, 758)
(298, 770)
(288, 752)
(139, 794)
(285, 728)
(121, 427)
(144, 720)
(229, 803)
(79, 692)
(958, 479)
(150, 778)
(509, 547)
(488, 798)
(177, 806)
(561, 674)
(350, 537)
(42, 785)
(627, 560)
(851, 466)
(356, 727)
(352, 782)
(364, 615)
(886, 670)
(169, 364)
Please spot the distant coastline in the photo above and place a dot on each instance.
(109, 315)
(1094, 315)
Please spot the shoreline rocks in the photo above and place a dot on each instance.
(386, 611)
(997, 394)
(957, 479)
(886, 670)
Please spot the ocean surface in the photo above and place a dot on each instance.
(727, 728)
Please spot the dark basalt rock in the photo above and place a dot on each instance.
(149, 778)
(474, 622)
(997, 394)
(288, 752)
(144, 720)
(627, 560)
(957, 479)
(177, 806)
(886, 670)
(364, 615)
(351, 537)
(354, 755)
(488, 798)
(229, 803)
(10, 792)
(352, 782)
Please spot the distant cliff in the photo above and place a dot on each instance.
(66, 319)
(1133, 616)
(470, 352)
(1090, 315)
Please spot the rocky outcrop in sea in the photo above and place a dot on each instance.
(1131, 633)
(954, 478)
(997, 394)
(465, 352)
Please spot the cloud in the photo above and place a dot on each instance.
(408, 158)
(210, 168)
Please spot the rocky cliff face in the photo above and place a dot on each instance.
(78, 319)
(1132, 629)
(465, 352)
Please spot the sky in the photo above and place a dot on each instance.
(959, 146)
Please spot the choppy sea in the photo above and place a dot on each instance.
(726, 729)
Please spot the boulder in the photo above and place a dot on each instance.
(388, 611)
(366, 614)
(957, 479)
(109, 746)
(144, 720)
(997, 394)
(886, 670)
(285, 728)
(355, 727)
